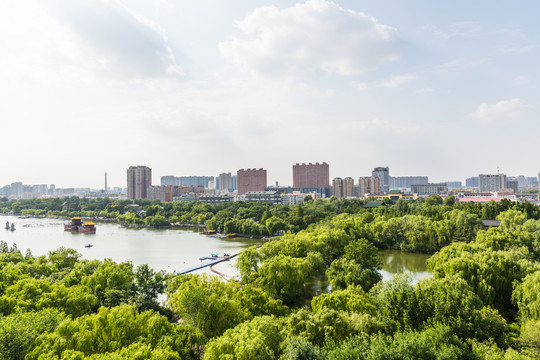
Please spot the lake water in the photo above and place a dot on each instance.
(162, 249)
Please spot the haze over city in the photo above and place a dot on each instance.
(447, 90)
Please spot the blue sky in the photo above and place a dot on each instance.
(443, 89)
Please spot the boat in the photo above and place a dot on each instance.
(76, 225)
(7, 225)
(88, 227)
(73, 225)
(232, 235)
(209, 232)
(88, 246)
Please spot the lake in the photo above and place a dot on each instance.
(162, 249)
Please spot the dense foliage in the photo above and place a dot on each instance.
(482, 301)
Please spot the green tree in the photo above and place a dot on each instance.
(19, 331)
(450, 200)
(527, 297)
(111, 330)
(259, 338)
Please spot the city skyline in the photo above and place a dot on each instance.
(446, 90)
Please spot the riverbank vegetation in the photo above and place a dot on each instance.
(482, 301)
(258, 219)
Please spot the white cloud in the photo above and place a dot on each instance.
(462, 64)
(424, 90)
(123, 43)
(506, 110)
(395, 81)
(315, 36)
(517, 49)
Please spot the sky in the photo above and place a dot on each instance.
(445, 89)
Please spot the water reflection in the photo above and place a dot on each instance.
(398, 262)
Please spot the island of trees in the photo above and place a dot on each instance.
(482, 302)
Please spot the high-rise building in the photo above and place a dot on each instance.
(139, 178)
(491, 183)
(348, 187)
(311, 175)
(337, 185)
(454, 184)
(383, 173)
(471, 182)
(195, 181)
(512, 184)
(400, 182)
(251, 180)
(225, 182)
(17, 189)
(234, 182)
(369, 185)
(169, 180)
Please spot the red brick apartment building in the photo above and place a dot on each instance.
(311, 175)
(251, 180)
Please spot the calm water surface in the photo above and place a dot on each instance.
(398, 262)
(163, 249)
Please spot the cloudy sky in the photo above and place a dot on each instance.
(443, 89)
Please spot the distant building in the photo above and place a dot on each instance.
(172, 192)
(383, 173)
(337, 187)
(491, 183)
(215, 199)
(195, 181)
(311, 175)
(429, 189)
(405, 182)
(295, 198)
(532, 182)
(324, 192)
(512, 184)
(169, 181)
(251, 180)
(348, 187)
(225, 182)
(16, 189)
(159, 192)
(472, 182)
(369, 185)
(454, 184)
(269, 197)
(139, 178)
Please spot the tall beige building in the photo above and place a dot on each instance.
(139, 179)
(348, 187)
(369, 185)
(337, 185)
(343, 188)
(225, 181)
